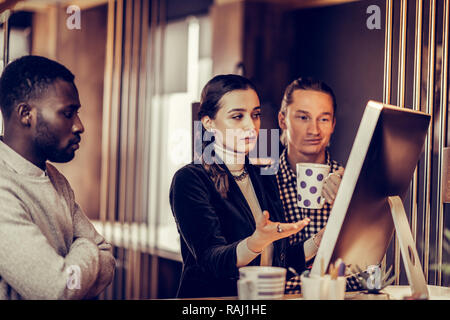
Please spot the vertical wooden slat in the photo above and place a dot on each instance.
(53, 30)
(153, 126)
(417, 90)
(133, 109)
(142, 142)
(402, 54)
(115, 105)
(124, 133)
(442, 138)
(106, 126)
(5, 18)
(388, 54)
(6, 32)
(429, 140)
(124, 111)
(133, 126)
(159, 90)
(149, 86)
(401, 103)
(387, 65)
(106, 129)
(114, 141)
(149, 93)
(142, 108)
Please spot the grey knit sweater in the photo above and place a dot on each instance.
(48, 247)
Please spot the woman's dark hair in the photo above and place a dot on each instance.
(304, 84)
(210, 103)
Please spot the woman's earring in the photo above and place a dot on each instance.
(212, 132)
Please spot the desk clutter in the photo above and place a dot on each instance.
(267, 283)
(325, 286)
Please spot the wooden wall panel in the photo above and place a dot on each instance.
(228, 31)
(83, 52)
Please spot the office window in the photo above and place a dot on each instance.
(187, 66)
(19, 45)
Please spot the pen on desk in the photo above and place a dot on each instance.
(322, 268)
(333, 272)
(341, 271)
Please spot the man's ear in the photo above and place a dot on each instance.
(282, 121)
(24, 114)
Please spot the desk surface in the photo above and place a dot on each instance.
(388, 293)
(396, 293)
(435, 292)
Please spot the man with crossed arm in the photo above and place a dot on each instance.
(48, 247)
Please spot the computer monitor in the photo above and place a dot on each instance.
(368, 206)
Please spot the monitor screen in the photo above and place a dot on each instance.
(382, 161)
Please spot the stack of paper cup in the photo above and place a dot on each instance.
(261, 283)
(336, 288)
(314, 287)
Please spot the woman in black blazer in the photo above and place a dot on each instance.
(221, 202)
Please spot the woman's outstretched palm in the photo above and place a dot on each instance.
(268, 231)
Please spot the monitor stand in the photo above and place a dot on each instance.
(408, 248)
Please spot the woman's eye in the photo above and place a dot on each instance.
(237, 116)
(257, 115)
(324, 120)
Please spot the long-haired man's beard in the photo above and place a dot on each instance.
(47, 144)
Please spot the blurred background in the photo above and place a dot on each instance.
(140, 66)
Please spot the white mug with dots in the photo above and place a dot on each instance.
(310, 179)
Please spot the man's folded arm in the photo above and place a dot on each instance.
(33, 268)
(83, 228)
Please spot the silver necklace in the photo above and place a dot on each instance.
(241, 176)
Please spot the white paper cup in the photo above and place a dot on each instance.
(336, 289)
(314, 287)
(310, 179)
(261, 283)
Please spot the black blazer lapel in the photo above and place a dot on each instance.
(236, 196)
